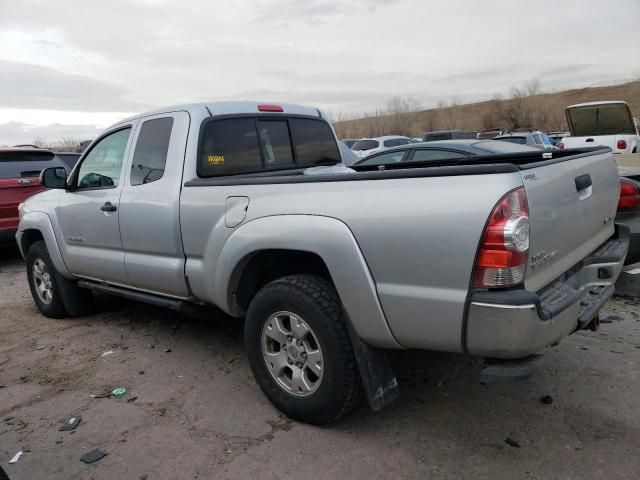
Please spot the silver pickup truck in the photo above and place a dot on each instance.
(241, 206)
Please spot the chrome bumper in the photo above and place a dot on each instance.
(518, 323)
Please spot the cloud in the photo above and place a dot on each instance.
(33, 86)
(13, 133)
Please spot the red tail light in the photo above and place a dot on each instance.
(270, 108)
(629, 196)
(561, 146)
(621, 145)
(504, 250)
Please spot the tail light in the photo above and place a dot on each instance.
(502, 258)
(270, 108)
(629, 196)
(561, 146)
(621, 145)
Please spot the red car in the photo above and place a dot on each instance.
(19, 178)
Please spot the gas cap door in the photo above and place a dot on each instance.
(235, 211)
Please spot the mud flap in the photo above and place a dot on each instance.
(76, 301)
(379, 381)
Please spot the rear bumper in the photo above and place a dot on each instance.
(518, 323)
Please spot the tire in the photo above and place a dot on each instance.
(315, 315)
(65, 297)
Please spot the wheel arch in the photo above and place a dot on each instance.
(262, 248)
(36, 226)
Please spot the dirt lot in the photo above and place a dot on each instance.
(192, 409)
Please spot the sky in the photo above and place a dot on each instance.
(69, 68)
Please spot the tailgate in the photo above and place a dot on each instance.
(589, 142)
(572, 204)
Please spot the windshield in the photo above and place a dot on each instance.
(24, 164)
(365, 145)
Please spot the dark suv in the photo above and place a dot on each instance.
(19, 179)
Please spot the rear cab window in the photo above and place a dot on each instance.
(254, 144)
(16, 164)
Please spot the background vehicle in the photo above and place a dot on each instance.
(367, 146)
(533, 138)
(348, 156)
(349, 141)
(19, 172)
(597, 124)
(449, 135)
(491, 133)
(628, 212)
(558, 137)
(223, 204)
(68, 158)
(443, 150)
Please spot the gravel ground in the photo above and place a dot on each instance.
(192, 409)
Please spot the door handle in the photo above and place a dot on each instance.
(108, 207)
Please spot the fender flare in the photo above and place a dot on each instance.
(41, 222)
(326, 237)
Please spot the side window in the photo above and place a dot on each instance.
(276, 144)
(314, 142)
(102, 167)
(384, 158)
(389, 143)
(150, 155)
(432, 154)
(229, 146)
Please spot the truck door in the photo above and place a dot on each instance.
(88, 213)
(150, 215)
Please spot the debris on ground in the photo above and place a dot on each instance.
(5, 360)
(611, 319)
(546, 399)
(132, 399)
(26, 449)
(104, 394)
(162, 411)
(93, 456)
(168, 350)
(511, 442)
(70, 424)
(16, 457)
(119, 392)
(107, 353)
(40, 347)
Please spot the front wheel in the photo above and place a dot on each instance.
(43, 282)
(299, 349)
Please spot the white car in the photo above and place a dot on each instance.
(368, 146)
(597, 124)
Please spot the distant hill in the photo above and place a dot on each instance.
(544, 111)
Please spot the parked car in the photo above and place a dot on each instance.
(69, 158)
(604, 124)
(533, 138)
(443, 150)
(491, 133)
(20, 168)
(628, 212)
(349, 141)
(245, 207)
(557, 137)
(367, 146)
(449, 135)
(348, 156)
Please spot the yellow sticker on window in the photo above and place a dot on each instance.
(215, 159)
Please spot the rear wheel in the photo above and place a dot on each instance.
(299, 349)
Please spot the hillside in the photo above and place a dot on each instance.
(543, 110)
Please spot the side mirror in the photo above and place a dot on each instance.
(54, 177)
